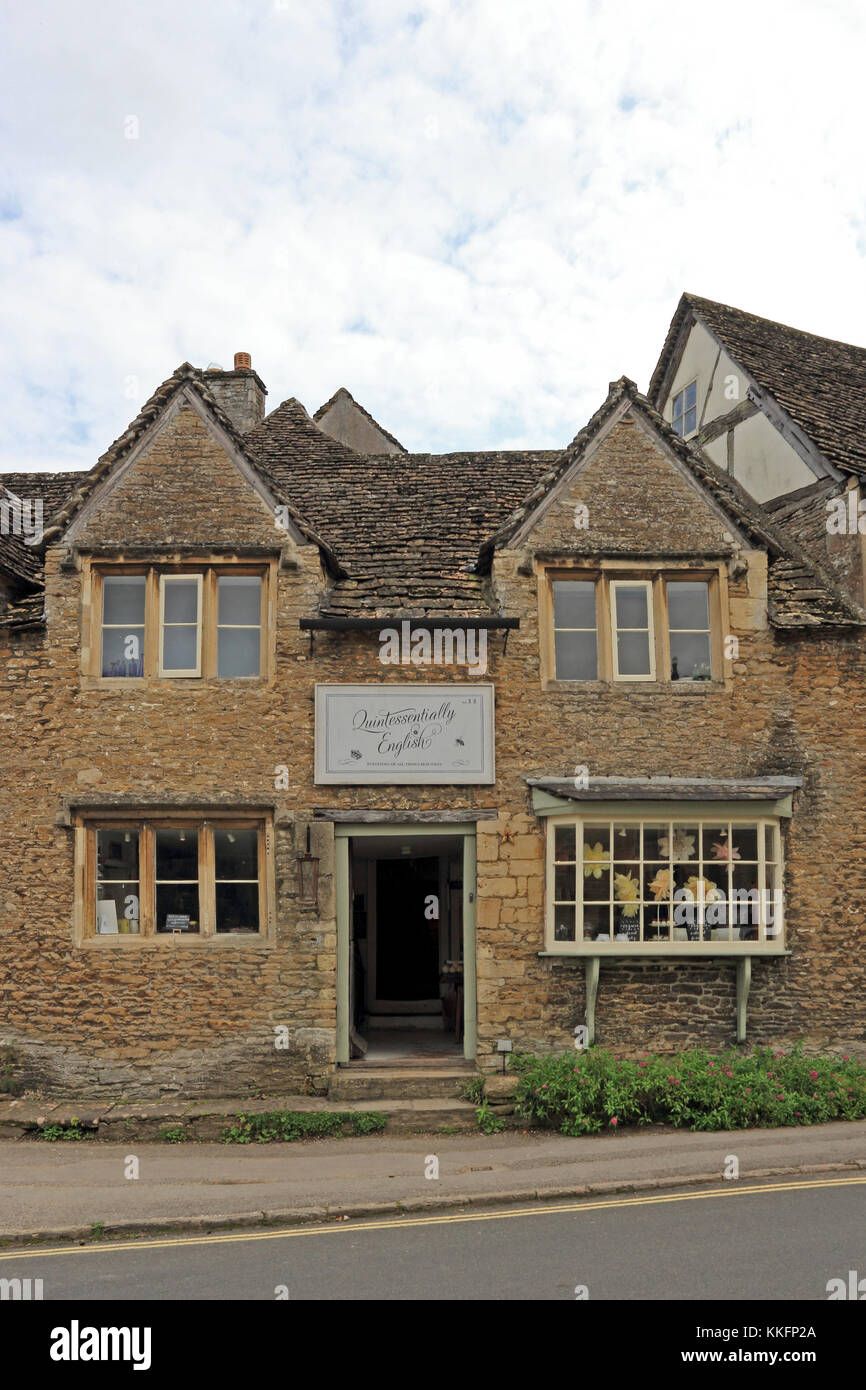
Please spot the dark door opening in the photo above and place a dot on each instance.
(407, 929)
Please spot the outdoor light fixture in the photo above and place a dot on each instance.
(308, 875)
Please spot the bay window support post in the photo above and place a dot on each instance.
(744, 980)
(591, 967)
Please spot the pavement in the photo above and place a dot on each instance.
(55, 1191)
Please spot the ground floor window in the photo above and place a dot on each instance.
(173, 877)
(632, 880)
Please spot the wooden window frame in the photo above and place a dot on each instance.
(208, 570)
(769, 942)
(164, 581)
(605, 577)
(204, 825)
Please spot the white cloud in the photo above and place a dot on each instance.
(473, 215)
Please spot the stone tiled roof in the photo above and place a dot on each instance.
(819, 382)
(342, 394)
(23, 563)
(407, 527)
(801, 594)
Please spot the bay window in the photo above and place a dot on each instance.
(662, 881)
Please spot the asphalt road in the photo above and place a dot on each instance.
(779, 1240)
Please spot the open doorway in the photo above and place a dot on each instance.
(407, 979)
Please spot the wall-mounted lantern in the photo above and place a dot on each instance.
(308, 875)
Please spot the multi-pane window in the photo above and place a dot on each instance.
(575, 629)
(616, 627)
(180, 623)
(662, 880)
(684, 416)
(175, 877)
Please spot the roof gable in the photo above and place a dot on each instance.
(813, 388)
(346, 420)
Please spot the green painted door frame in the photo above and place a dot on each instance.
(343, 833)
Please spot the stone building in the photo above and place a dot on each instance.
(314, 749)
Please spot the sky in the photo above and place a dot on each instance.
(473, 214)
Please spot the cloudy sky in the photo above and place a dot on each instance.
(472, 213)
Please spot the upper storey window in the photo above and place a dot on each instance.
(620, 625)
(190, 623)
(684, 417)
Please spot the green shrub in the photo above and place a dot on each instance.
(71, 1131)
(488, 1123)
(176, 1135)
(285, 1126)
(585, 1092)
(474, 1090)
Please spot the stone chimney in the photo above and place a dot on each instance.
(240, 392)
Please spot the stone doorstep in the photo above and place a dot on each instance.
(205, 1120)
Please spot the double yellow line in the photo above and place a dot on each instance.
(733, 1189)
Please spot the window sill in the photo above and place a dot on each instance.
(696, 950)
(134, 941)
(678, 688)
(122, 684)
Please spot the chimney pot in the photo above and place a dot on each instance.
(243, 360)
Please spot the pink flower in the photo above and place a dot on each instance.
(674, 1079)
(832, 1093)
(780, 1096)
(712, 1065)
(614, 1121)
(748, 1090)
(813, 1076)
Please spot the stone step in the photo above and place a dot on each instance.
(415, 1083)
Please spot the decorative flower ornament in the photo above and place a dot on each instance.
(683, 845)
(703, 889)
(661, 884)
(595, 858)
(627, 893)
(725, 851)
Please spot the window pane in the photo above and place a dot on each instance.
(574, 603)
(563, 884)
(123, 651)
(177, 901)
(688, 604)
(631, 607)
(677, 424)
(117, 854)
(177, 854)
(237, 907)
(596, 883)
(180, 648)
(769, 843)
(180, 602)
(576, 656)
(633, 655)
(626, 842)
(236, 853)
(240, 599)
(238, 651)
(563, 842)
(691, 394)
(690, 656)
(596, 923)
(563, 923)
(126, 902)
(745, 838)
(691, 421)
(123, 600)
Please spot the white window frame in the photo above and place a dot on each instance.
(681, 394)
(646, 585)
(165, 579)
(769, 941)
(258, 627)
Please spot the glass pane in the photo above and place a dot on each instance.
(236, 853)
(563, 923)
(626, 892)
(180, 648)
(633, 654)
(690, 656)
(123, 651)
(563, 842)
(688, 604)
(239, 599)
(772, 904)
(653, 835)
(237, 907)
(576, 656)
(596, 924)
(177, 907)
(596, 841)
(596, 884)
(125, 901)
(745, 840)
(770, 843)
(238, 651)
(626, 922)
(691, 421)
(177, 854)
(574, 603)
(717, 844)
(117, 854)
(626, 842)
(563, 885)
(123, 600)
(180, 601)
(745, 908)
(691, 394)
(631, 607)
(677, 424)
(657, 883)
